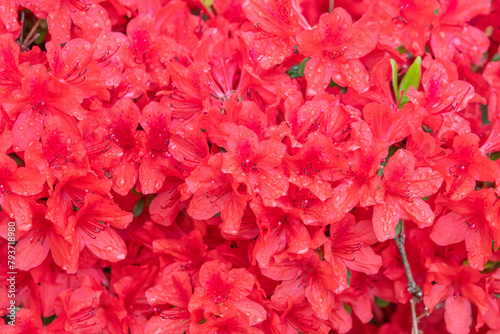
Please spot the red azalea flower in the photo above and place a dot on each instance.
(255, 164)
(60, 154)
(75, 65)
(312, 166)
(280, 233)
(70, 193)
(176, 291)
(130, 284)
(26, 321)
(301, 317)
(349, 246)
(304, 204)
(463, 166)
(469, 219)
(362, 291)
(404, 187)
(187, 252)
(232, 322)
(165, 207)
(88, 309)
(122, 125)
(224, 291)
(16, 184)
(443, 94)
(274, 38)
(93, 227)
(157, 163)
(34, 246)
(307, 277)
(213, 193)
(390, 125)
(11, 76)
(451, 33)
(458, 287)
(335, 47)
(41, 94)
(360, 182)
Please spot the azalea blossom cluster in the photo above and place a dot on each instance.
(248, 166)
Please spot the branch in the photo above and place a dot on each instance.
(412, 286)
(30, 38)
(331, 5)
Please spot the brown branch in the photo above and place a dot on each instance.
(22, 28)
(331, 5)
(413, 288)
(29, 38)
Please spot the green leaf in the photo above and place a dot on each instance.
(484, 115)
(302, 67)
(139, 207)
(349, 275)
(135, 192)
(402, 50)
(348, 308)
(16, 158)
(427, 129)
(411, 78)
(222, 149)
(497, 295)
(496, 57)
(216, 215)
(343, 90)
(436, 12)
(380, 302)
(293, 72)
(488, 264)
(203, 130)
(48, 320)
(495, 156)
(392, 150)
(297, 70)
(399, 226)
(150, 198)
(425, 198)
(207, 3)
(395, 78)
(202, 321)
(466, 262)
(42, 31)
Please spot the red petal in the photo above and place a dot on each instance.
(65, 254)
(317, 74)
(352, 74)
(151, 175)
(449, 229)
(253, 310)
(385, 218)
(165, 207)
(320, 299)
(419, 211)
(108, 245)
(267, 52)
(30, 254)
(366, 261)
(458, 315)
(271, 183)
(479, 245)
(424, 182)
